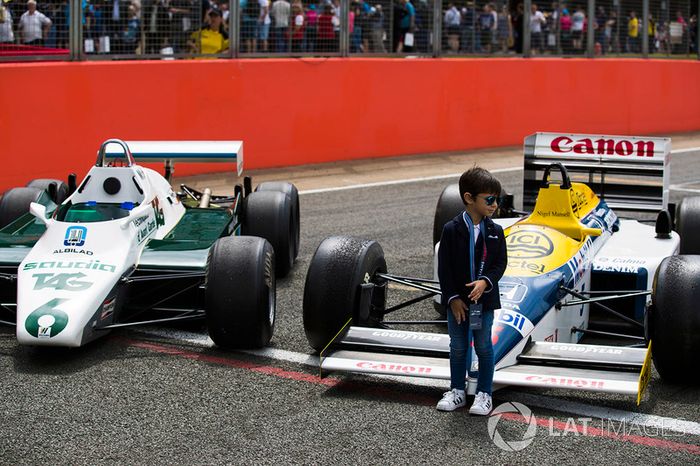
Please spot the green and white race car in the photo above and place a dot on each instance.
(123, 249)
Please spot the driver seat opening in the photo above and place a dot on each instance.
(562, 209)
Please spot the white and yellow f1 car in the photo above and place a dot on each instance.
(568, 258)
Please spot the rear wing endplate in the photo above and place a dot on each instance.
(182, 151)
(629, 173)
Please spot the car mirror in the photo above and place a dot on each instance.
(39, 211)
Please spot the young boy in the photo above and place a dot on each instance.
(471, 260)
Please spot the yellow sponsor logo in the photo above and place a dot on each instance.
(644, 375)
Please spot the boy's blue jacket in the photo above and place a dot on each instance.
(454, 262)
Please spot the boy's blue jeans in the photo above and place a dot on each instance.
(460, 351)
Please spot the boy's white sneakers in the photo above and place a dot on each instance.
(482, 404)
(452, 400)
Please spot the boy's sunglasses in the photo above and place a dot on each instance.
(491, 199)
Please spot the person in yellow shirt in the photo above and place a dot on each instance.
(212, 38)
(651, 32)
(633, 33)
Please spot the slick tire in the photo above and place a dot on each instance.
(240, 293)
(332, 289)
(45, 185)
(448, 206)
(674, 319)
(15, 203)
(269, 215)
(688, 224)
(290, 190)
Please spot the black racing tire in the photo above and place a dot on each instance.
(688, 224)
(240, 292)
(44, 183)
(449, 205)
(268, 214)
(674, 319)
(332, 289)
(290, 190)
(15, 203)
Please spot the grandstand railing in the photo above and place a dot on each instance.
(205, 29)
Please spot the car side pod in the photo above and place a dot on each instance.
(674, 320)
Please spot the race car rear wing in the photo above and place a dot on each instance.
(181, 151)
(629, 173)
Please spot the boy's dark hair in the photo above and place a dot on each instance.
(478, 180)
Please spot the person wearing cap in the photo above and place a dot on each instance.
(212, 37)
(33, 25)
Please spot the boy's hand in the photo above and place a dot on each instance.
(479, 287)
(459, 310)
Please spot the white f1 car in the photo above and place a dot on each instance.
(122, 249)
(567, 258)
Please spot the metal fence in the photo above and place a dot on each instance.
(171, 29)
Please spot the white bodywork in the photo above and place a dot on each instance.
(66, 285)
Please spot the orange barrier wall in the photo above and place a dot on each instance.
(289, 111)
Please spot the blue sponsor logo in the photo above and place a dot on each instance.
(75, 236)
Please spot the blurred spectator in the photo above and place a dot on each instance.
(487, 23)
(518, 23)
(651, 34)
(633, 33)
(7, 35)
(326, 36)
(599, 25)
(407, 26)
(362, 24)
(376, 24)
(250, 16)
(132, 32)
(422, 27)
(33, 25)
(296, 29)
(693, 34)
(181, 12)
(504, 29)
(679, 33)
(452, 19)
(116, 18)
(537, 20)
(157, 24)
(578, 23)
(468, 28)
(311, 30)
(280, 11)
(612, 35)
(262, 31)
(565, 31)
(212, 38)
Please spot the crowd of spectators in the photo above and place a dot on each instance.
(561, 28)
(313, 26)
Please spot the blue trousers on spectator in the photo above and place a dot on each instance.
(280, 38)
(460, 351)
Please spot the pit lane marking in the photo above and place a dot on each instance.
(648, 420)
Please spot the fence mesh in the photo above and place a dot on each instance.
(202, 28)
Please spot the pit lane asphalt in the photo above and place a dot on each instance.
(133, 398)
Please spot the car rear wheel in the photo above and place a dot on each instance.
(674, 319)
(240, 292)
(290, 190)
(15, 203)
(268, 214)
(448, 206)
(332, 289)
(688, 224)
(61, 189)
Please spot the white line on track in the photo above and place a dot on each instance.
(404, 181)
(454, 175)
(546, 402)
